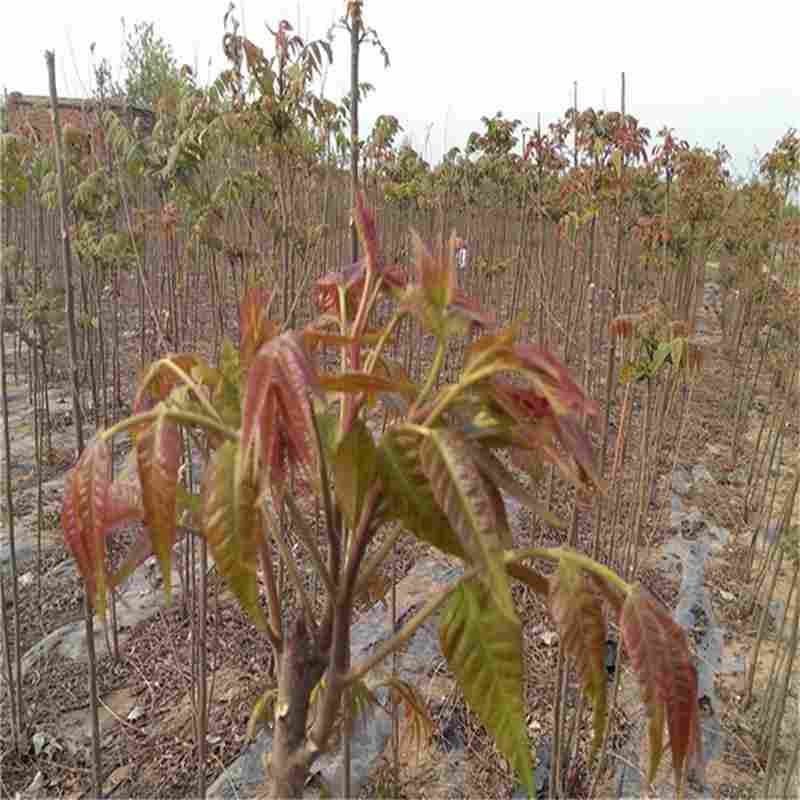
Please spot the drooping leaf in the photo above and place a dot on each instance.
(226, 395)
(409, 698)
(85, 518)
(497, 475)
(408, 493)
(578, 615)
(277, 427)
(660, 656)
(232, 525)
(483, 648)
(158, 452)
(463, 494)
(355, 468)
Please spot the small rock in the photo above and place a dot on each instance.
(681, 481)
(39, 740)
(549, 638)
(728, 597)
(137, 712)
(26, 579)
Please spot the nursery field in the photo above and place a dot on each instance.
(329, 472)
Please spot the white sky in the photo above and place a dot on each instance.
(716, 71)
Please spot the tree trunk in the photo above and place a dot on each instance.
(300, 669)
(355, 42)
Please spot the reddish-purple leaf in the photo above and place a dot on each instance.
(277, 427)
(158, 452)
(85, 517)
(365, 222)
(660, 656)
(578, 614)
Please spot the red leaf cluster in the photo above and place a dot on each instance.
(277, 425)
(353, 278)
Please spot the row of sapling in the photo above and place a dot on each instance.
(196, 130)
(275, 417)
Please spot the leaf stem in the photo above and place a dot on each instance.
(202, 399)
(375, 560)
(438, 360)
(176, 415)
(384, 337)
(578, 559)
(452, 392)
(274, 626)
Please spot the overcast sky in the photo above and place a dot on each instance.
(715, 71)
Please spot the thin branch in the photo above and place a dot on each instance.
(375, 560)
(408, 630)
(275, 627)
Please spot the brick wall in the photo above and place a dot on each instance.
(29, 115)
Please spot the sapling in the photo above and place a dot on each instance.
(279, 430)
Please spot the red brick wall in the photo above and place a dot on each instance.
(32, 117)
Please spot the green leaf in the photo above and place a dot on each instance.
(263, 711)
(664, 349)
(408, 494)
(678, 347)
(227, 395)
(232, 525)
(464, 496)
(483, 648)
(355, 468)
